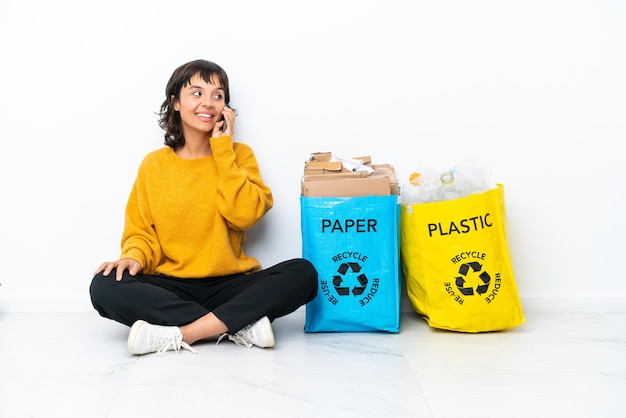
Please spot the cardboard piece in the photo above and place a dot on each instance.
(325, 178)
(347, 187)
(323, 167)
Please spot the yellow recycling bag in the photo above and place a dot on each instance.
(457, 265)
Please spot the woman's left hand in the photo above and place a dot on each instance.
(225, 127)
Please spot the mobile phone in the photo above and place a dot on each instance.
(222, 119)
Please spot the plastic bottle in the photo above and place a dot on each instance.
(468, 176)
(451, 187)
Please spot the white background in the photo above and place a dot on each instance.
(536, 89)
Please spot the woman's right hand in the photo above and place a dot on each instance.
(122, 264)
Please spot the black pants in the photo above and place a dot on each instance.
(237, 300)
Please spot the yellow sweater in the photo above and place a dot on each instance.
(187, 218)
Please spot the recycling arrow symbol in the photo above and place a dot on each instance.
(338, 280)
(475, 268)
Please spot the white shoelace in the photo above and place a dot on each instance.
(238, 339)
(176, 343)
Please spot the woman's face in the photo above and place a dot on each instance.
(200, 105)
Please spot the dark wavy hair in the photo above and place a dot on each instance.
(169, 119)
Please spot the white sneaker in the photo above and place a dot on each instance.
(146, 338)
(259, 333)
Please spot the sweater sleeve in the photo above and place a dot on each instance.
(139, 239)
(242, 197)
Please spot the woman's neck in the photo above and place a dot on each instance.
(195, 148)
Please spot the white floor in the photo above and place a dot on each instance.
(556, 365)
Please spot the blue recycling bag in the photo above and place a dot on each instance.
(354, 244)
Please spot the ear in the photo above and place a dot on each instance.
(175, 103)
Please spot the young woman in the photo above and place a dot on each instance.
(183, 275)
